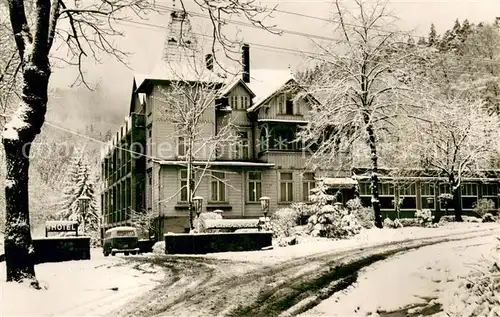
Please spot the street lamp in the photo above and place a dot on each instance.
(83, 202)
(198, 202)
(264, 204)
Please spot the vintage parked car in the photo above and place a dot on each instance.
(120, 240)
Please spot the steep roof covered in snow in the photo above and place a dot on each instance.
(267, 82)
(186, 70)
(183, 60)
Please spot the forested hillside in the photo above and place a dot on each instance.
(77, 119)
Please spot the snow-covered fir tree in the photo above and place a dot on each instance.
(79, 183)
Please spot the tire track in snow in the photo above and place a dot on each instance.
(211, 287)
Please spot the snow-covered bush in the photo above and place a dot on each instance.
(424, 217)
(409, 222)
(304, 211)
(478, 293)
(450, 218)
(397, 223)
(483, 206)
(159, 247)
(487, 217)
(471, 219)
(445, 219)
(349, 225)
(363, 214)
(393, 224)
(388, 223)
(333, 222)
(282, 221)
(446, 199)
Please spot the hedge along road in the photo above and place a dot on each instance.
(202, 286)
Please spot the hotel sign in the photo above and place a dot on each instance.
(61, 226)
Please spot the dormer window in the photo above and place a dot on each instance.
(286, 104)
(289, 107)
(172, 40)
(239, 102)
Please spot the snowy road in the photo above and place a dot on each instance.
(411, 279)
(214, 286)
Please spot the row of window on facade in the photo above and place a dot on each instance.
(118, 163)
(219, 186)
(282, 140)
(117, 201)
(407, 192)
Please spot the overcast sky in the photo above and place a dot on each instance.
(145, 42)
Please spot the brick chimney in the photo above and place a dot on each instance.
(245, 61)
(209, 61)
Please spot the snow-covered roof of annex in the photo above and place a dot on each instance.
(233, 81)
(217, 163)
(339, 181)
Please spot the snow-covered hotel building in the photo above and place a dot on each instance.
(267, 161)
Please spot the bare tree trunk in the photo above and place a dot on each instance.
(457, 203)
(374, 176)
(18, 242)
(190, 183)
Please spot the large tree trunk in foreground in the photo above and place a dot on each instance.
(374, 177)
(17, 138)
(457, 203)
(18, 243)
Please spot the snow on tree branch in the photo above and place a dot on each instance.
(87, 31)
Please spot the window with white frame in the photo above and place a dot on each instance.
(181, 146)
(469, 195)
(254, 186)
(243, 102)
(286, 186)
(232, 102)
(242, 146)
(280, 100)
(385, 192)
(386, 195)
(365, 193)
(490, 191)
(149, 141)
(444, 189)
(307, 184)
(149, 188)
(407, 195)
(218, 187)
(283, 139)
(427, 191)
(183, 185)
(286, 104)
(264, 139)
(239, 102)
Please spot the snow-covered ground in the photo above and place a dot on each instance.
(366, 238)
(102, 285)
(78, 288)
(411, 278)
